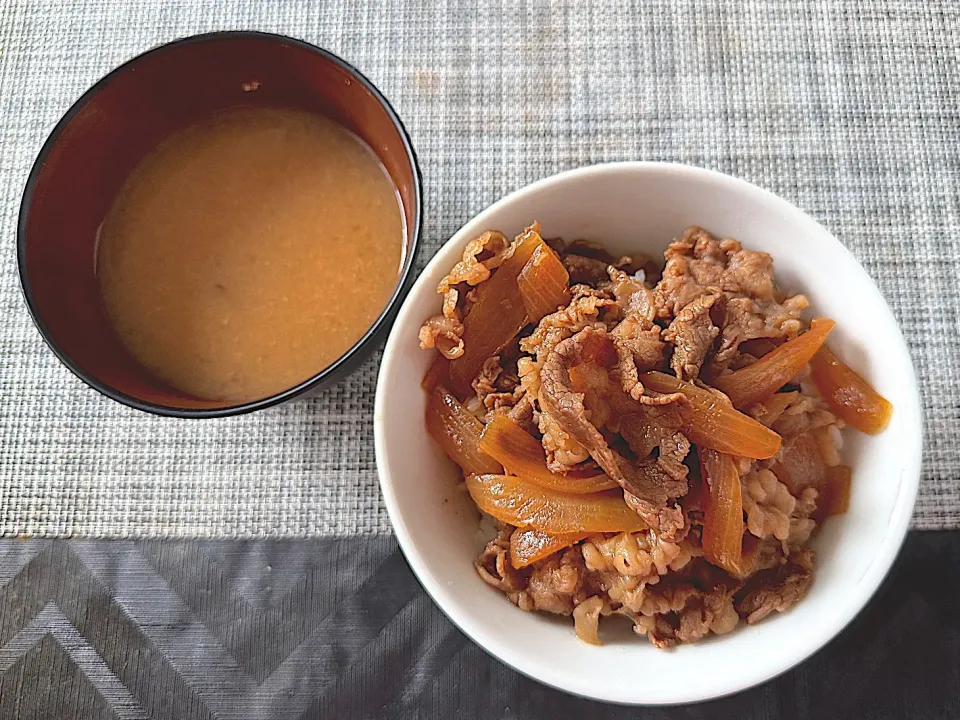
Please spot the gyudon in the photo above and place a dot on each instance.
(655, 444)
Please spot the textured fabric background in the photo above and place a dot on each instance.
(846, 108)
(339, 629)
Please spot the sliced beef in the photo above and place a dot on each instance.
(649, 485)
(556, 581)
(637, 338)
(592, 250)
(481, 256)
(486, 381)
(522, 413)
(695, 265)
(588, 308)
(678, 611)
(589, 263)
(642, 341)
(746, 319)
(692, 333)
(562, 450)
(706, 613)
(443, 333)
(648, 427)
(586, 270)
(634, 297)
(495, 568)
(748, 272)
(776, 589)
(672, 452)
(638, 349)
(699, 264)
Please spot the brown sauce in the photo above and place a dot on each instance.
(249, 251)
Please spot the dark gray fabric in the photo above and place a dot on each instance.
(341, 629)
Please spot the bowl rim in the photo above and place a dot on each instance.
(810, 643)
(353, 354)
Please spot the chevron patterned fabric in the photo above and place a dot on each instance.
(270, 630)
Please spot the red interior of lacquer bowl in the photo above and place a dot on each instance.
(120, 120)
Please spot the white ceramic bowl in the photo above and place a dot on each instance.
(639, 207)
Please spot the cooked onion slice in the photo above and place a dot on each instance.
(527, 546)
(723, 516)
(520, 453)
(713, 423)
(457, 432)
(523, 503)
(849, 395)
(543, 284)
(497, 316)
(759, 381)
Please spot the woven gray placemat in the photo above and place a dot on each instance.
(848, 109)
